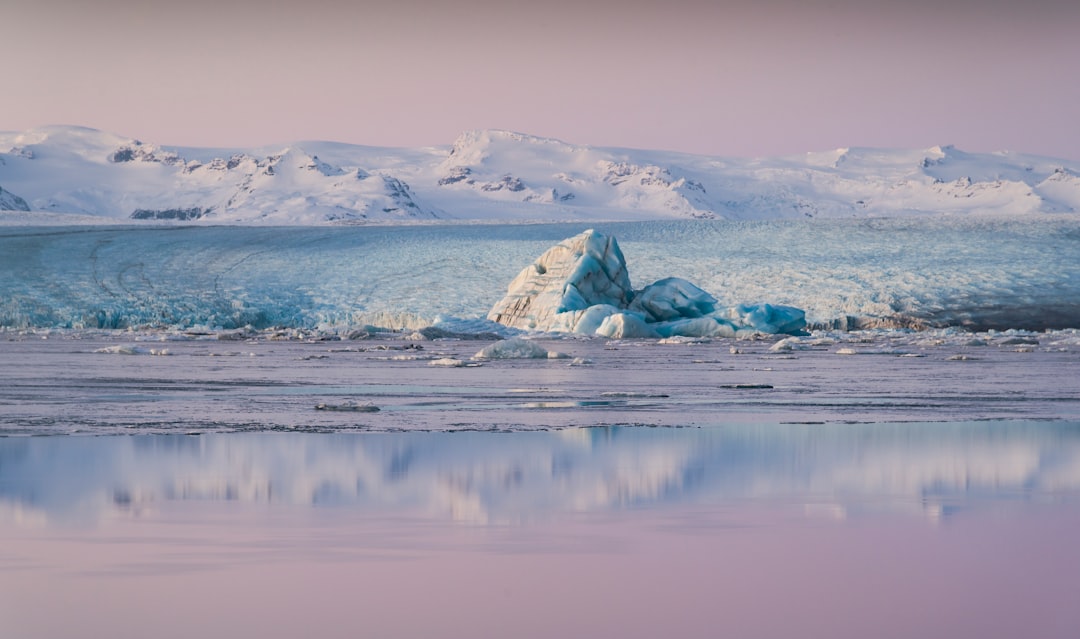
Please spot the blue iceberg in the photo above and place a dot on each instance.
(581, 285)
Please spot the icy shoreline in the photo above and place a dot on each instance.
(94, 382)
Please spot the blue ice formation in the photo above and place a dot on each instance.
(581, 285)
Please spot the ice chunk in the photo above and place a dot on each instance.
(582, 271)
(466, 328)
(128, 349)
(767, 318)
(626, 325)
(587, 321)
(515, 348)
(349, 407)
(696, 327)
(447, 362)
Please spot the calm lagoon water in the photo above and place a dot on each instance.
(959, 530)
(926, 485)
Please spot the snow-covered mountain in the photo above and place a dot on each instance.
(508, 176)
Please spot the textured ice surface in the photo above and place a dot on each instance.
(577, 273)
(924, 272)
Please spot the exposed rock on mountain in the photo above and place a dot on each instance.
(11, 202)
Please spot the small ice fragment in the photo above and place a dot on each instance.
(786, 344)
(121, 349)
(847, 351)
(682, 339)
(515, 348)
(625, 326)
(349, 407)
(1013, 341)
(581, 361)
(447, 362)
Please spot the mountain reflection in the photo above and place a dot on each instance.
(836, 469)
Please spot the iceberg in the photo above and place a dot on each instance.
(578, 273)
(581, 285)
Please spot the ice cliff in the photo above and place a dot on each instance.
(581, 285)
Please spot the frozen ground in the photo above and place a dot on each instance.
(975, 272)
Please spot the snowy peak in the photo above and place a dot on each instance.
(495, 174)
(514, 167)
(78, 170)
(473, 148)
(72, 141)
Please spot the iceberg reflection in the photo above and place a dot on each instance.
(487, 477)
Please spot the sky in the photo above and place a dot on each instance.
(740, 78)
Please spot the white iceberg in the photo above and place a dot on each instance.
(575, 274)
(581, 285)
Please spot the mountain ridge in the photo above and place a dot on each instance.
(502, 175)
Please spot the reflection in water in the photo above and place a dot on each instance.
(483, 477)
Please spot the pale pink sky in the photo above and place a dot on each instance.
(734, 78)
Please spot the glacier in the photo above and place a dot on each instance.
(581, 285)
(974, 273)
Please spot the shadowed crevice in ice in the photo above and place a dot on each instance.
(581, 285)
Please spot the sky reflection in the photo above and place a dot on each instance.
(832, 471)
(742, 531)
